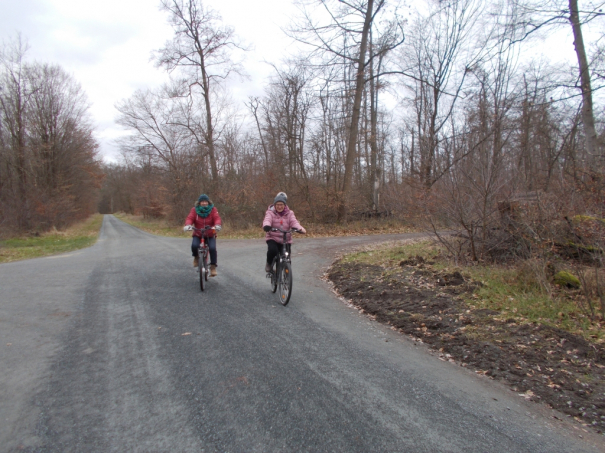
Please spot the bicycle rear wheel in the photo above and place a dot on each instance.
(285, 283)
(201, 269)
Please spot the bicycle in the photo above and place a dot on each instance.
(281, 269)
(202, 253)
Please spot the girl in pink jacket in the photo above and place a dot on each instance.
(278, 215)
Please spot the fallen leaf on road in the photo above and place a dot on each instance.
(186, 333)
(527, 395)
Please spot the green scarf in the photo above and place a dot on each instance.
(204, 211)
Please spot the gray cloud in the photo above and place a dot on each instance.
(107, 45)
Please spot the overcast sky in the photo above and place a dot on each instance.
(106, 45)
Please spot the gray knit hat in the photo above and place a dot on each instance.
(281, 197)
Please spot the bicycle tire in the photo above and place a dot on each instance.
(201, 268)
(206, 271)
(285, 283)
(275, 268)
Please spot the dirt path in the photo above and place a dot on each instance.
(540, 363)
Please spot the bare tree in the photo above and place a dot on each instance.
(156, 119)
(470, 191)
(253, 105)
(531, 16)
(202, 47)
(344, 38)
(15, 93)
(435, 64)
(368, 16)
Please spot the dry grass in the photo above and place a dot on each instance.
(162, 227)
(80, 235)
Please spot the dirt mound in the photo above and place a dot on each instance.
(539, 362)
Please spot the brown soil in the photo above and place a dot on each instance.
(541, 363)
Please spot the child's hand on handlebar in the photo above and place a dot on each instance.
(267, 228)
(188, 228)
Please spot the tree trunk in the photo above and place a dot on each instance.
(254, 108)
(209, 125)
(587, 112)
(375, 170)
(353, 132)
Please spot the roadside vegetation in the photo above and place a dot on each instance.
(508, 321)
(513, 291)
(77, 236)
(163, 227)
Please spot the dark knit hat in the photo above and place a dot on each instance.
(281, 197)
(203, 197)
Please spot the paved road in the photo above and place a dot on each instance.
(114, 348)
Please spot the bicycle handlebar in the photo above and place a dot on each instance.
(293, 230)
(203, 229)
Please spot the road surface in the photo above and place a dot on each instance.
(115, 348)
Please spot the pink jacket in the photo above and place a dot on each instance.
(286, 221)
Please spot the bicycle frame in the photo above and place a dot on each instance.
(283, 257)
(202, 253)
(281, 277)
(284, 254)
(203, 249)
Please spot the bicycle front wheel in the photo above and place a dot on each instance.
(206, 271)
(201, 269)
(275, 270)
(285, 283)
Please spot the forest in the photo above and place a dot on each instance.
(439, 116)
(50, 173)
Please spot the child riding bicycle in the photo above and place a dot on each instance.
(278, 215)
(204, 214)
